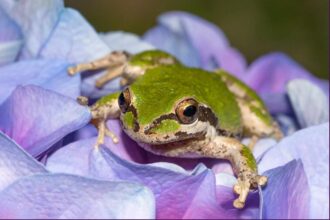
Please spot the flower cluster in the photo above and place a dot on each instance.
(49, 168)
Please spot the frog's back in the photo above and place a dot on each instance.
(162, 87)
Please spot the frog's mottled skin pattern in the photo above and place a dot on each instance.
(250, 158)
(152, 58)
(226, 109)
(246, 93)
(176, 82)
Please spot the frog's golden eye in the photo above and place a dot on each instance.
(124, 100)
(187, 111)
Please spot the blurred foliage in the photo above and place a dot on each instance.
(255, 27)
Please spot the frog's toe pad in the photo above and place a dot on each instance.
(238, 204)
(262, 180)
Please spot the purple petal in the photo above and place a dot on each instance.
(196, 42)
(311, 145)
(277, 103)
(10, 39)
(119, 40)
(287, 124)
(270, 73)
(36, 20)
(286, 195)
(15, 163)
(37, 118)
(52, 196)
(178, 194)
(309, 103)
(49, 74)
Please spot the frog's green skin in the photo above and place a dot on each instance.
(226, 108)
(139, 63)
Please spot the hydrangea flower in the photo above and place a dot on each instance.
(40, 118)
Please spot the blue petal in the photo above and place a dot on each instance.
(15, 163)
(76, 40)
(311, 145)
(195, 42)
(50, 196)
(286, 195)
(309, 103)
(49, 74)
(10, 39)
(119, 40)
(37, 118)
(36, 19)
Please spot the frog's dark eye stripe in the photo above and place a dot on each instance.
(124, 100)
(187, 111)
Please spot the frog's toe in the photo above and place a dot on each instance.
(238, 204)
(237, 189)
(262, 180)
(112, 136)
(242, 188)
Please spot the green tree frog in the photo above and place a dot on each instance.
(176, 111)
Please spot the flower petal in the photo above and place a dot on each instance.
(178, 194)
(15, 163)
(286, 195)
(76, 40)
(37, 118)
(311, 145)
(277, 103)
(10, 38)
(195, 42)
(119, 40)
(36, 20)
(49, 74)
(270, 73)
(52, 196)
(309, 103)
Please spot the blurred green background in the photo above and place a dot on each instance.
(255, 27)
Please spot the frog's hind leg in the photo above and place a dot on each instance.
(243, 163)
(257, 123)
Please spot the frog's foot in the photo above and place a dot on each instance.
(111, 135)
(278, 134)
(113, 59)
(104, 131)
(82, 100)
(253, 142)
(111, 74)
(243, 187)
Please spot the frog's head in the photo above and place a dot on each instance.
(139, 63)
(161, 122)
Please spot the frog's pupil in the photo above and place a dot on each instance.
(121, 99)
(190, 111)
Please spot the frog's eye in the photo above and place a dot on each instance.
(187, 111)
(124, 100)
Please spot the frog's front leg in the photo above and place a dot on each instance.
(105, 108)
(243, 164)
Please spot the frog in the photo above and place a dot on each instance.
(177, 111)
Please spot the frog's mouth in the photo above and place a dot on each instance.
(182, 148)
